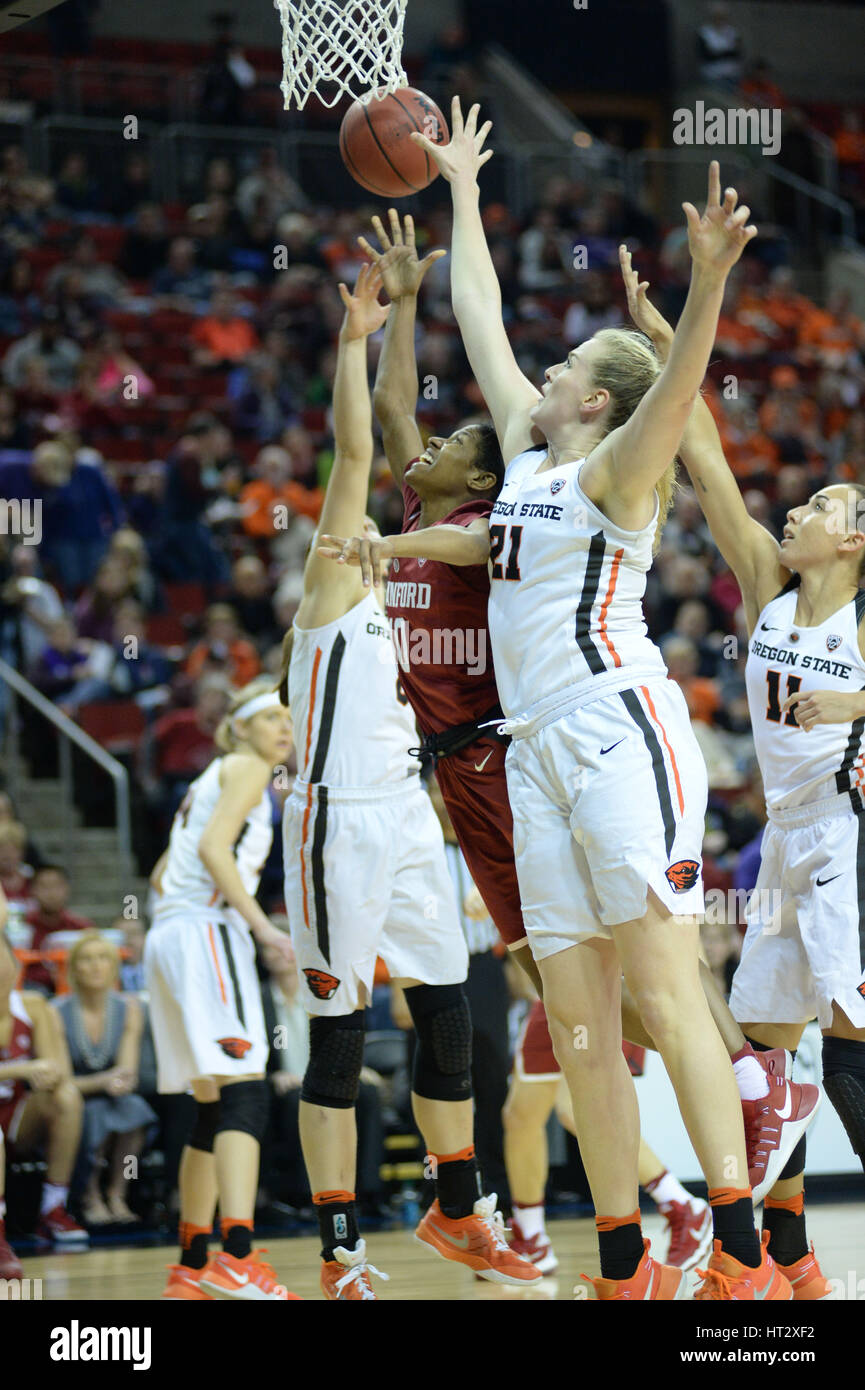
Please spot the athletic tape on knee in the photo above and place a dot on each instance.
(443, 1056)
(204, 1127)
(844, 1084)
(335, 1060)
(243, 1108)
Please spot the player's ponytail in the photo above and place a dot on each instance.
(226, 738)
(282, 687)
(627, 366)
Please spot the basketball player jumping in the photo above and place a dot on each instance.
(205, 1001)
(805, 678)
(606, 783)
(366, 876)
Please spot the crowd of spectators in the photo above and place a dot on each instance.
(166, 377)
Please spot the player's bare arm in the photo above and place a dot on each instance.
(396, 384)
(477, 299)
(451, 545)
(826, 707)
(157, 871)
(330, 593)
(751, 551)
(243, 779)
(621, 474)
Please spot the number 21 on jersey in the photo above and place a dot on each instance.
(498, 537)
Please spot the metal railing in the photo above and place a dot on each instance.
(68, 734)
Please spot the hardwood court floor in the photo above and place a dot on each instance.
(838, 1232)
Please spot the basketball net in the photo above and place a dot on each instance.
(356, 44)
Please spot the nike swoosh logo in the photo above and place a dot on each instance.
(695, 1232)
(765, 628)
(651, 1283)
(611, 747)
(787, 1108)
(239, 1279)
(479, 767)
(461, 1242)
(821, 882)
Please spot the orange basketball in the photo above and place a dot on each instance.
(375, 146)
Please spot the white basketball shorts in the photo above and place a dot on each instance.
(805, 942)
(608, 801)
(366, 876)
(205, 1001)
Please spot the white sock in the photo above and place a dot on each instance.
(53, 1195)
(530, 1220)
(2, 1208)
(668, 1189)
(750, 1078)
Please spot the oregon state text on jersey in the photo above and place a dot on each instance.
(351, 718)
(185, 880)
(783, 658)
(566, 591)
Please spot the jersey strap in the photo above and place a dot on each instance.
(854, 743)
(859, 601)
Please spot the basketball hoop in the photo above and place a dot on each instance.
(356, 44)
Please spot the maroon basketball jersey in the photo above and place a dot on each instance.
(438, 618)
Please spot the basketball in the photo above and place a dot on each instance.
(375, 145)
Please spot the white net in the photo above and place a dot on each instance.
(334, 48)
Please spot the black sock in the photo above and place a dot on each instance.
(458, 1185)
(787, 1239)
(337, 1224)
(237, 1241)
(734, 1228)
(621, 1250)
(194, 1254)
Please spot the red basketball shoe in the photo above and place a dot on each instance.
(774, 1124)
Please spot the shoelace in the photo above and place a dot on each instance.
(485, 1210)
(269, 1273)
(356, 1273)
(719, 1285)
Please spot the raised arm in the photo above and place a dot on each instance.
(751, 552)
(396, 385)
(328, 593)
(477, 299)
(622, 472)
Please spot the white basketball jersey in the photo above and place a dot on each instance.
(352, 723)
(566, 588)
(185, 880)
(800, 767)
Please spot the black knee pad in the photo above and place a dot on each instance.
(443, 1056)
(335, 1061)
(844, 1084)
(204, 1128)
(243, 1107)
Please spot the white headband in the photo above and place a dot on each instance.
(270, 700)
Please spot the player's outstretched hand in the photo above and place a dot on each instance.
(643, 313)
(462, 157)
(371, 555)
(363, 313)
(718, 238)
(401, 271)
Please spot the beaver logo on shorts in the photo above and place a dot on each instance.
(234, 1047)
(323, 986)
(683, 875)
(556, 485)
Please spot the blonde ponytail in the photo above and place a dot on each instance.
(225, 737)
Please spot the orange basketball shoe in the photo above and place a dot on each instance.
(477, 1241)
(347, 1277)
(184, 1285)
(251, 1279)
(732, 1281)
(651, 1280)
(807, 1279)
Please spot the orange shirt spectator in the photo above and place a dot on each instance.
(258, 499)
(223, 648)
(222, 335)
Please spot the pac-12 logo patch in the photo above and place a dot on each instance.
(323, 986)
(234, 1047)
(833, 641)
(683, 875)
(556, 485)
